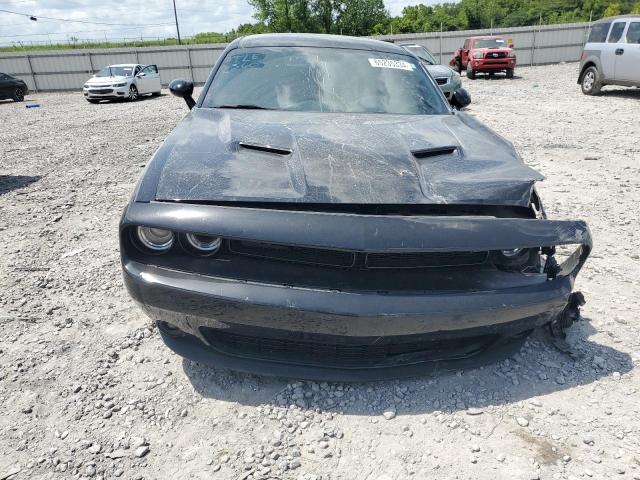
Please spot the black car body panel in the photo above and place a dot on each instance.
(221, 155)
(352, 246)
(8, 86)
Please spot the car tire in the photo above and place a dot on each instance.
(471, 73)
(590, 83)
(133, 93)
(18, 95)
(92, 100)
(509, 72)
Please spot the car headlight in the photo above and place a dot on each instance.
(203, 244)
(478, 55)
(156, 239)
(123, 84)
(512, 54)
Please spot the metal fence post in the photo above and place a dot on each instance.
(533, 45)
(33, 74)
(91, 63)
(440, 43)
(190, 64)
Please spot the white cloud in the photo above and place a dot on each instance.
(194, 16)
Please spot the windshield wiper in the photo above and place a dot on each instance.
(244, 107)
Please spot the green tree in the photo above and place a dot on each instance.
(612, 10)
(357, 17)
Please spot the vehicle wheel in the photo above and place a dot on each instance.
(92, 100)
(590, 82)
(133, 93)
(18, 95)
(471, 73)
(509, 72)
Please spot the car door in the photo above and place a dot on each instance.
(152, 77)
(5, 85)
(609, 48)
(464, 54)
(141, 80)
(628, 54)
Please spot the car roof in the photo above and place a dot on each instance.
(315, 40)
(486, 37)
(124, 65)
(617, 17)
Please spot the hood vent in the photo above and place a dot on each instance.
(265, 148)
(434, 152)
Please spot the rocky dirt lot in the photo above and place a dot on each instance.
(88, 390)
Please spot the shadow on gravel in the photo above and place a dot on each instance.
(622, 93)
(14, 182)
(538, 369)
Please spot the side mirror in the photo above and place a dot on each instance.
(460, 99)
(183, 89)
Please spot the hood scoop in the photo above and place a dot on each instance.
(265, 148)
(434, 152)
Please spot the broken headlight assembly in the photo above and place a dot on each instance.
(526, 260)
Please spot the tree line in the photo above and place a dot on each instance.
(370, 17)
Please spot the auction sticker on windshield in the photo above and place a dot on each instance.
(386, 63)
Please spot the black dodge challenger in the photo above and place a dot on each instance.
(323, 212)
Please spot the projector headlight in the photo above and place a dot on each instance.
(155, 239)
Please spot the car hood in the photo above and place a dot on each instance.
(219, 155)
(500, 49)
(439, 70)
(109, 80)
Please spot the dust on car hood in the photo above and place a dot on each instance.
(109, 80)
(439, 71)
(276, 156)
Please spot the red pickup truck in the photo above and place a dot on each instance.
(488, 54)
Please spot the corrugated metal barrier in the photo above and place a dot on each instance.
(69, 69)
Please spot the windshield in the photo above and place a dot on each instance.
(116, 72)
(307, 79)
(489, 43)
(423, 54)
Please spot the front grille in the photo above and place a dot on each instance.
(332, 351)
(101, 91)
(442, 80)
(493, 55)
(424, 260)
(356, 260)
(316, 256)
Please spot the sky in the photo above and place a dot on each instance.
(127, 19)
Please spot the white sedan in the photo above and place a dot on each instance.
(126, 81)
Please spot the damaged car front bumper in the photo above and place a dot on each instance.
(347, 296)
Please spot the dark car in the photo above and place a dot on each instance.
(322, 212)
(12, 88)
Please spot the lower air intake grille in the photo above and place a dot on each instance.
(320, 351)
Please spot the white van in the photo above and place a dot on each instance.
(611, 55)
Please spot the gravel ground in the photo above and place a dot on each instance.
(87, 388)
